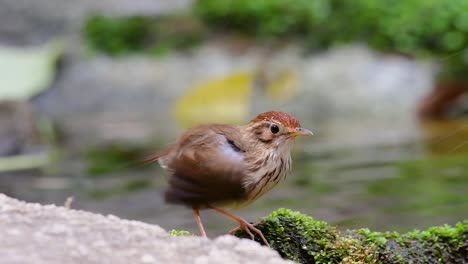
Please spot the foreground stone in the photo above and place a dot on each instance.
(34, 233)
(301, 238)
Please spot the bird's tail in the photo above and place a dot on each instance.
(155, 157)
(152, 158)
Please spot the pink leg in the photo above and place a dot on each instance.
(196, 213)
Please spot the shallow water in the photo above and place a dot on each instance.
(404, 185)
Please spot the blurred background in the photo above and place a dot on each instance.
(88, 87)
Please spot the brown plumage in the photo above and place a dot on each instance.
(212, 166)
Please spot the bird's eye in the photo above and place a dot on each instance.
(274, 129)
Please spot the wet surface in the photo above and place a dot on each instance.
(401, 186)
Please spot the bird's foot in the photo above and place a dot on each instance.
(248, 228)
(243, 225)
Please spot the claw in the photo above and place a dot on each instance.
(247, 227)
(243, 225)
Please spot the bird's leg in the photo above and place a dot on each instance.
(196, 214)
(244, 225)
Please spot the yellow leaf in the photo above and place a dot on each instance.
(217, 100)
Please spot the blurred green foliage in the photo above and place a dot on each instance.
(430, 186)
(419, 28)
(264, 17)
(415, 27)
(125, 187)
(118, 35)
(156, 35)
(102, 160)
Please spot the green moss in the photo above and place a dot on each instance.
(296, 236)
(179, 232)
(301, 238)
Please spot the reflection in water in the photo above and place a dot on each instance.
(448, 137)
(384, 187)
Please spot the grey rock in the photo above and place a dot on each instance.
(34, 233)
(26, 22)
(17, 128)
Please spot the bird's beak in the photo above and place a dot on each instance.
(301, 132)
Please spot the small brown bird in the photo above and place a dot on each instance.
(213, 166)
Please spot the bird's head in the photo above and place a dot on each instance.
(276, 129)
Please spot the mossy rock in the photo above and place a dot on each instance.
(301, 238)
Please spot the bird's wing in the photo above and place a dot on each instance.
(207, 167)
